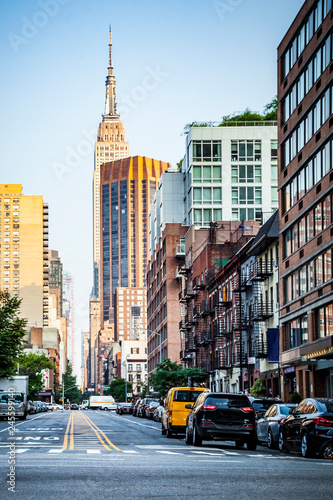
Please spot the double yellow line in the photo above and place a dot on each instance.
(96, 439)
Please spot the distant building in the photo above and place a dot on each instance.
(68, 311)
(127, 190)
(305, 136)
(110, 146)
(24, 252)
(130, 313)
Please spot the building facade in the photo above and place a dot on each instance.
(24, 243)
(110, 146)
(305, 136)
(126, 192)
(227, 171)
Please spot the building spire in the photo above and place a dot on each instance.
(110, 112)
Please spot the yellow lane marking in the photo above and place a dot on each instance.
(64, 446)
(79, 437)
(102, 433)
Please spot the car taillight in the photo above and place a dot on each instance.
(206, 423)
(323, 421)
(208, 407)
(247, 408)
(280, 420)
(170, 414)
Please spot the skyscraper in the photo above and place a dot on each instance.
(24, 252)
(127, 190)
(110, 145)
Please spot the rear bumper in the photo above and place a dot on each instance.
(225, 434)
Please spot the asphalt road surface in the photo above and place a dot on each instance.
(102, 455)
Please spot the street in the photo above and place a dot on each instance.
(76, 454)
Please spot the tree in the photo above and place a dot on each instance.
(258, 390)
(12, 332)
(117, 389)
(169, 374)
(33, 364)
(296, 397)
(71, 391)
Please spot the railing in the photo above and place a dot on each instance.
(261, 310)
(261, 270)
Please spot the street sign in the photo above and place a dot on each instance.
(130, 394)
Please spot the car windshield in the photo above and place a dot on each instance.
(11, 396)
(261, 405)
(183, 396)
(227, 401)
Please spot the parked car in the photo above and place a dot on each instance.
(158, 413)
(175, 409)
(261, 405)
(268, 426)
(32, 408)
(124, 408)
(49, 406)
(306, 428)
(135, 407)
(151, 408)
(74, 406)
(143, 405)
(223, 417)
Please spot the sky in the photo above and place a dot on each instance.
(175, 62)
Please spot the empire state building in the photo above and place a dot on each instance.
(110, 146)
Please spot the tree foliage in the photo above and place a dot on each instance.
(33, 364)
(296, 397)
(269, 114)
(12, 332)
(169, 374)
(258, 390)
(71, 391)
(117, 389)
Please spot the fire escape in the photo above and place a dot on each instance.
(262, 308)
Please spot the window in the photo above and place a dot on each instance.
(246, 150)
(324, 321)
(206, 151)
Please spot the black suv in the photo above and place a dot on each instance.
(224, 417)
(306, 428)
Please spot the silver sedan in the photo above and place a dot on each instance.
(268, 425)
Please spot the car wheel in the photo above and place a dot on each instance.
(270, 443)
(282, 446)
(239, 444)
(252, 444)
(327, 452)
(169, 433)
(197, 441)
(188, 437)
(306, 449)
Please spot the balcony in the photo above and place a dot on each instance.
(189, 346)
(204, 337)
(196, 311)
(206, 308)
(219, 331)
(180, 251)
(258, 348)
(189, 320)
(261, 311)
(197, 285)
(261, 270)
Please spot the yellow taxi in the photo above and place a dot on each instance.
(175, 413)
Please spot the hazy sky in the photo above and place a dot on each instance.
(175, 61)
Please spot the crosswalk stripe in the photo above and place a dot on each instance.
(168, 452)
(21, 450)
(93, 451)
(55, 451)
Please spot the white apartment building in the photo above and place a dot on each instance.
(230, 173)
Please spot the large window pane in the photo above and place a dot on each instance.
(196, 174)
(217, 195)
(206, 196)
(206, 174)
(217, 173)
(197, 196)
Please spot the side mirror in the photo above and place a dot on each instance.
(189, 406)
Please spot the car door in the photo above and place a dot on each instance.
(264, 422)
(293, 424)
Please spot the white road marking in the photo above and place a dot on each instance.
(21, 450)
(93, 451)
(55, 451)
(129, 451)
(168, 452)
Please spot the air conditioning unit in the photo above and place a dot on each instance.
(275, 263)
